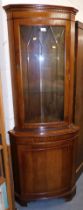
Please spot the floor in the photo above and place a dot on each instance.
(59, 204)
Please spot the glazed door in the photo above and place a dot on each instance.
(43, 73)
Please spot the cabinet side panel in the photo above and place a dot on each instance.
(78, 117)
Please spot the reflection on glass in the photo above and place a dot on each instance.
(43, 58)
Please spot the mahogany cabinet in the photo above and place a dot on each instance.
(44, 140)
(78, 113)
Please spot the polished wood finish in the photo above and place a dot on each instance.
(78, 114)
(43, 152)
(45, 164)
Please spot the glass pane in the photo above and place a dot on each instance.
(43, 64)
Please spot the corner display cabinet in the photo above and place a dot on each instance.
(43, 142)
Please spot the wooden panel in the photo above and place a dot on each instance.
(43, 166)
(78, 117)
(40, 174)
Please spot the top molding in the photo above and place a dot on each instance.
(15, 7)
(17, 11)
